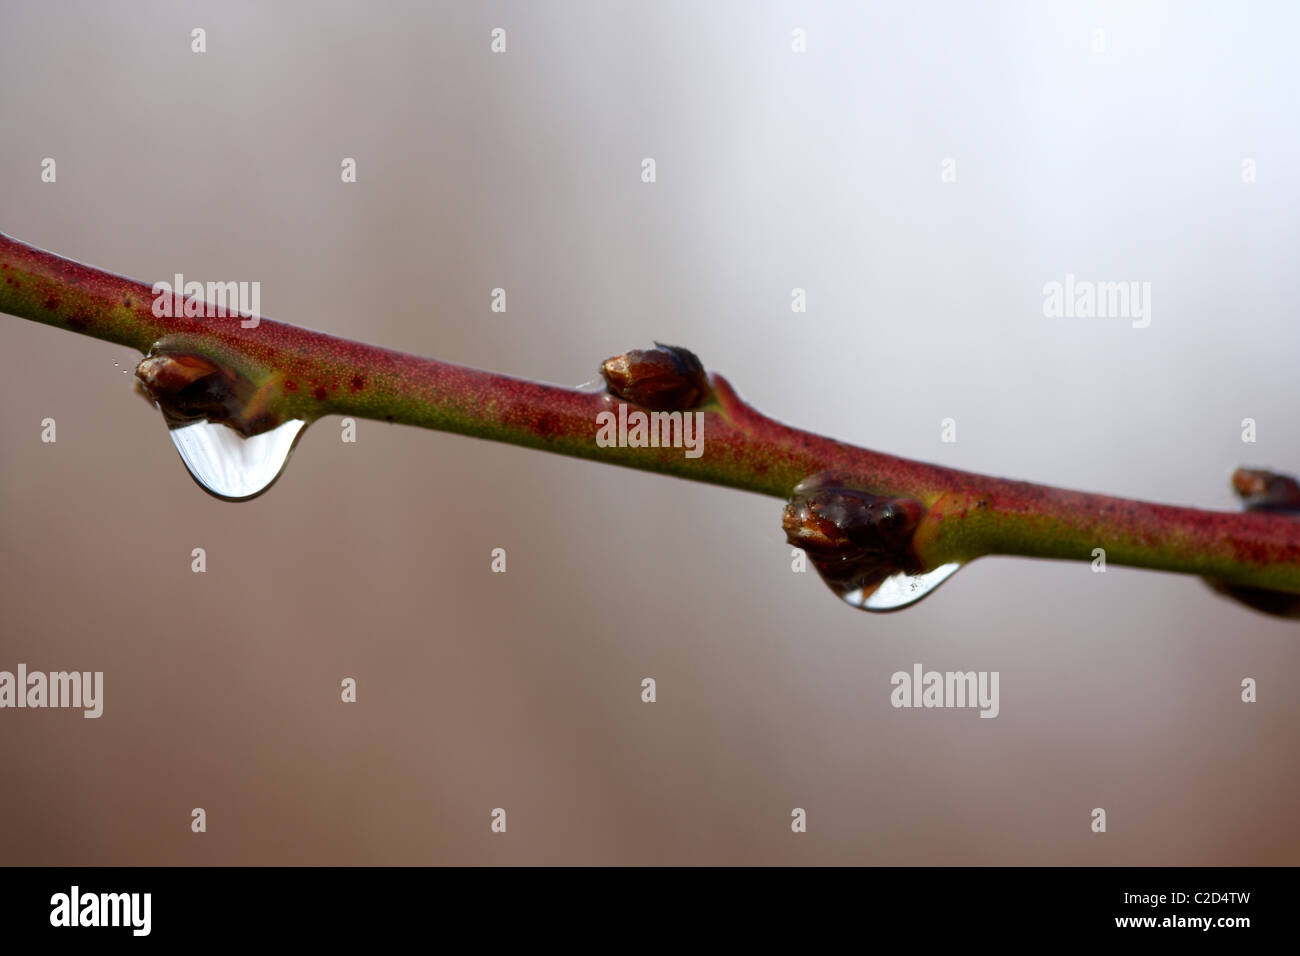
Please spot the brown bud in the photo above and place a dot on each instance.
(665, 378)
(1266, 490)
(854, 538)
(190, 388)
(166, 374)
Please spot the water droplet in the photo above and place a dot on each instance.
(229, 466)
(861, 542)
(898, 590)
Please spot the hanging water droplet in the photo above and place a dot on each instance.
(232, 444)
(229, 466)
(899, 590)
(861, 543)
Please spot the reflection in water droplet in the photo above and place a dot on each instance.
(227, 465)
(898, 590)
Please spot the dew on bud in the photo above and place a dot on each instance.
(861, 543)
(233, 447)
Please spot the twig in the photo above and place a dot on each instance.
(254, 378)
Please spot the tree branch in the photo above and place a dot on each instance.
(257, 377)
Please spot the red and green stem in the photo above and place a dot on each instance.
(297, 373)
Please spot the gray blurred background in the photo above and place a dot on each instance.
(776, 170)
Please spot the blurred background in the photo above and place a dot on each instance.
(821, 170)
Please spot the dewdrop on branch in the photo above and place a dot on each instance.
(232, 447)
(861, 543)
